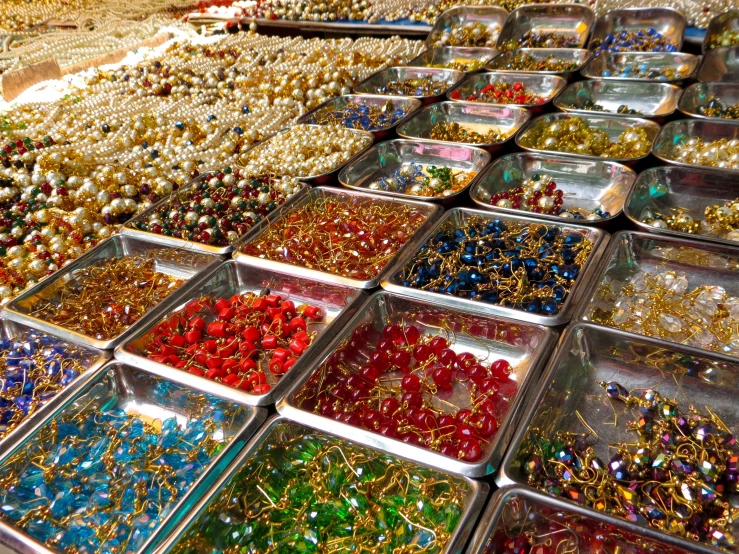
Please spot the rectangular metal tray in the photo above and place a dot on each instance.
(578, 56)
(182, 195)
(571, 20)
(151, 398)
(512, 510)
(612, 125)
(448, 77)
(699, 94)
(493, 17)
(337, 302)
(454, 54)
(727, 21)
(409, 106)
(545, 86)
(668, 22)
(651, 99)
(476, 116)
(720, 66)
(184, 264)
(475, 498)
(628, 252)
(457, 217)
(612, 61)
(588, 355)
(430, 210)
(691, 188)
(707, 129)
(586, 184)
(385, 158)
(483, 336)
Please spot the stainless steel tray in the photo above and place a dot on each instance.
(324, 178)
(668, 22)
(150, 397)
(652, 100)
(571, 20)
(477, 116)
(707, 129)
(586, 184)
(448, 77)
(337, 302)
(458, 217)
(699, 94)
(628, 252)
(578, 56)
(691, 188)
(514, 509)
(184, 264)
(588, 355)
(429, 210)
(613, 126)
(454, 54)
(280, 426)
(89, 358)
(492, 17)
(615, 61)
(720, 65)
(387, 157)
(183, 195)
(409, 106)
(545, 86)
(483, 336)
(727, 21)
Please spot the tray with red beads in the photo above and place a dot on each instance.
(243, 332)
(525, 90)
(433, 384)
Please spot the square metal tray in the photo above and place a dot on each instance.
(628, 252)
(181, 263)
(657, 60)
(588, 355)
(483, 336)
(278, 427)
(668, 22)
(720, 65)
(691, 188)
(451, 54)
(578, 56)
(458, 217)
(151, 398)
(448, 77)
(492, 17)
(429, 210)
(707, 129)
(586, 184)
(699, 94)
(545, 86)
(337, 302)
(572, 20)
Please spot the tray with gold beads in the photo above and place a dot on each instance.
(467, 26)
(711, 101)
(663, 67)
(427, 84)
(546, 26)
(564, 62)
(704, 143)
(722, 31)
(460, 58)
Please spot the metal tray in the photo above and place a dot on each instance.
(183, 195)
(720, 65)
(612, 125)
(690, 188)
(571, 20)
(457, 217)
(492, 16)
(628, 252)
(698, 94)
(337, 302)
(652, 100)
(727, 21)
(660, 60)
(586, 184)
(185, 264)
(281, 426)
(449, 77)
(89, 358)
(588, 355)
(545, 86)
(478, 116)
(431, 211)
(450, 54)
(483, 336)
(513, 509)
(707, 129)
(409, 106)
(579, 56)
(152, 398)
(668, 22)
(385, 158)
(324, 178)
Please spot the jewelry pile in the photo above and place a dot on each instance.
(643, 70)
(454, 132)
(359, 116)
(722, 153)
(524, 62)
(719, 220)
(532, 39)
(501, 93)
(590, 105)
(634, 41)
(716, 108)
(428, 181)
(468, 34)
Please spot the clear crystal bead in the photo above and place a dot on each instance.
(670, 323)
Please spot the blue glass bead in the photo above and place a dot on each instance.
(606, 73)
(533, 307)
